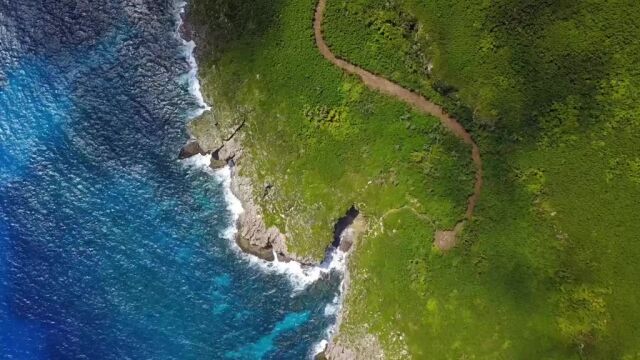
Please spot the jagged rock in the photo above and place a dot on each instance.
(365, 347)
(265, 253)
(231, 149)
(254, 236)
(217, 164)
(191, 148)
(338, 352)
(346, 243)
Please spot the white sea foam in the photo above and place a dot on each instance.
(331, 309)
(191, 78)
(200, 162)
(319, 347)
(300, 275)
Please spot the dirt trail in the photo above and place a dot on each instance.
(444, 239)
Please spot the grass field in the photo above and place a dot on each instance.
(548, 269)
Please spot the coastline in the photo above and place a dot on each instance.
(254, 237)
(300, 275)
(248, 235)
(269, 69)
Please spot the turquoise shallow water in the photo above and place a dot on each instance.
(110, 248)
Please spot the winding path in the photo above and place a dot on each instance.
(445, 240)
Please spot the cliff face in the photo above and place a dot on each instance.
(366, 348)
(254, 237)
(220, 132)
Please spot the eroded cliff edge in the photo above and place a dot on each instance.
(222, 131)
(254, 237)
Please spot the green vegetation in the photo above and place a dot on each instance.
(549, 267)
(550, 89)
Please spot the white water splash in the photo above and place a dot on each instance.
(319, 347)
(333, 309)
(298, 274)
(191, 78)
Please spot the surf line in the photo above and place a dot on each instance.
(300, 275)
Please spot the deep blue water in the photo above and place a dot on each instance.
(110, 248)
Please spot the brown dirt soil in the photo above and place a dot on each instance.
(444, 240)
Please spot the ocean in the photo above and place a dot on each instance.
(110, 247)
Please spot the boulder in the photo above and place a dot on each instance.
(191, 148)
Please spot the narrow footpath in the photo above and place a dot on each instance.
(445, 240)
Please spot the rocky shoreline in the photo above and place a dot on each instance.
(226, 149)
(253, 236)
